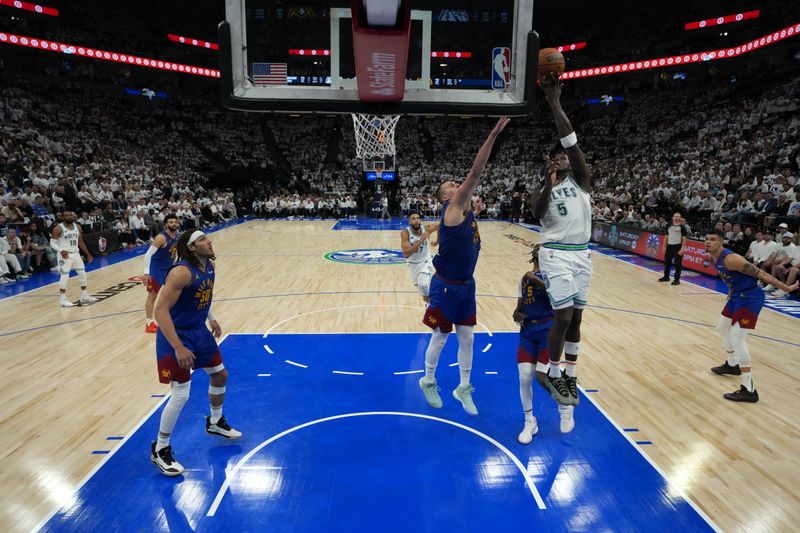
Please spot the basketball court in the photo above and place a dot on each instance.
(325, 346)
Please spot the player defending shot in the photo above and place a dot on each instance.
(534, 314)
(157, 260)
(565, 213)
(183, 342)
(414, 241)
(66, 240)
(745, 300)
(452, 293)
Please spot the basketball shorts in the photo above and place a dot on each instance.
(72, 262)
(200, 342)
(743, 308)
(567, 274)
(421, 274)
(533, 345)
(152, 285)
(451, 303)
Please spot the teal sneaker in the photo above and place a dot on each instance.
(431, 391)
(464, 395)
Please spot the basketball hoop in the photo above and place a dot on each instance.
(374, 135)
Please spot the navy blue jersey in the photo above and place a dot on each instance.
(191, 309)
(163, 259)
(739, 284)
(459, 247)
(535, 302)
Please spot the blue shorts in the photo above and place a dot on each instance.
(199, 341)
(533, 347)
(743, 308)
(451, 303)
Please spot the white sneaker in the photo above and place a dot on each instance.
(464, 395)
(164, 461)
(527, 433)
(770, 288)
(567, 421)
(779, 294)
(3, 281)
(67, 303)
(222, 428)
(86, 299)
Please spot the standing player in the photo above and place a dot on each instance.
(534, 314)
(66, 240)
(159, 257)
(417, 251)
(452, 292)
(183, 342)
(745, 299)
(565, 212)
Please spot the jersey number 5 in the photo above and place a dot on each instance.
(562, 209)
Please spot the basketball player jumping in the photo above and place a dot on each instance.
(534, 314)
(565, 212)
(452, 292)
(416, 249)
(745, 299)
(183, 342)
(66, 240)
(159, 257)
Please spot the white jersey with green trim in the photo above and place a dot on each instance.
(422, 255)
(568, 219)
(68, 241)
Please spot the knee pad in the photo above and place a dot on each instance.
(180, 392)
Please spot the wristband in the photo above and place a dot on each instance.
(210, 315)
(569, 141)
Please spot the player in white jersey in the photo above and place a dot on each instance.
(414, 241)
(67, 241)
(565, 213)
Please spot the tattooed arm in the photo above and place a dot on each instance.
(738, 263)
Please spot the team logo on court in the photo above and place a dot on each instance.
(367, 256)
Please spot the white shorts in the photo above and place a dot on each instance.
(421, 276)
(567, 274)
(72, 262)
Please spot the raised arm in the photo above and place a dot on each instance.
(738, 263)
(543, 201)
(552, 90)
(463, 194)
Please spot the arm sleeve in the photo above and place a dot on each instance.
(210, 315)
(54, 245)
(147, 257)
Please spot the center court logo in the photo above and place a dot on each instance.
(367, 256)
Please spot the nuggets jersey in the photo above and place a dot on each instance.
(69, 238)
(535, 302)
(568, 219)
(163, 258)
(191, 309)
(740, 284)
(459, 247)
(424, 253)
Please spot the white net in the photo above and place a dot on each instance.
(374, 135)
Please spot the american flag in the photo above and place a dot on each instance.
(269, 73)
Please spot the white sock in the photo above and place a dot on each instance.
(435, 345)
(216, 414)
(732, 361)
(162, 442)
(465, 336)
(747, 381)
(572, 368)
(555, 369)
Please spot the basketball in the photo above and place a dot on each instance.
(550, 60)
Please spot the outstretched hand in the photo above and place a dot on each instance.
(500, 126)
(552, 169)
(551, 86)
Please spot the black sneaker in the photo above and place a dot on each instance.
(164, 461)
(725, 368)
(742, 395)
(559, 390)
(675, 282)
(221, 428)
(572, 386)
(665, 278)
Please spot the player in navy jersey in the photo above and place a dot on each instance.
(534, 314)
(745, 299)
(183, 342)
(157, 260)
(452, 289)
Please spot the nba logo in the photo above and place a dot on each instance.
(501, 68)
